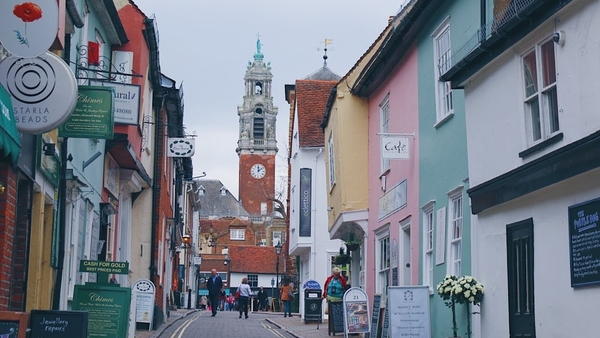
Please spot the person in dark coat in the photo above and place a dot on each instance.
(214, 286)
(262, 299)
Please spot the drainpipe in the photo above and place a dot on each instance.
(155, 191)
(74, 14)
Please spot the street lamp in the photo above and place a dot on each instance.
(186, 241)
(278, 252)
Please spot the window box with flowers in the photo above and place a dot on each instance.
(460, 290)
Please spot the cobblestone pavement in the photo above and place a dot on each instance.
(193, 323)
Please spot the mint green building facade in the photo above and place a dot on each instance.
(443, 169)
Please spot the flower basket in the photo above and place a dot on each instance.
(464, 290)
(352, 246)
(341, 260)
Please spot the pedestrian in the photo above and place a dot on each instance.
(245, 293)
(287, 296)
(262, 299)
(214, 286)
(222, 297)
(203, 302)
(334, 287)
(230, 301)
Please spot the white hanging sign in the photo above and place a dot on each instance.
(395, 147)
(181, 147)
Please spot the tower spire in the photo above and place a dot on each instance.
(326, 42)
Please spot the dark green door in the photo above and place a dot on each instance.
(519, 240)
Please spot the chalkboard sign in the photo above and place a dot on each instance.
(336, 317)
(13, 324)
(49, 324)
(584, 243)
(386, 321)
(375, 315)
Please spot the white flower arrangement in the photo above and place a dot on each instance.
(468, 290)
(462, 290)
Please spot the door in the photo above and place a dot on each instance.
(406, 250)
(519, 240)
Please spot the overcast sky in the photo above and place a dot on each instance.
(207, 44)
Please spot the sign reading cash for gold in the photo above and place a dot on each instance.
(120, 268)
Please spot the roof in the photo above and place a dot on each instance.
(324, 74)
(215, 205)
(311, 100)
(254, 259)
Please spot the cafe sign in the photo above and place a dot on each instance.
(28, 27)
(127, 101)
(43, 91)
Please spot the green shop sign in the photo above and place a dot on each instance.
(120, 268)
(93, 116)
(107, 307)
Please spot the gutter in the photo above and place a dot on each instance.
(74, 14)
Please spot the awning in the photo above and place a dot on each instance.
(10, 142)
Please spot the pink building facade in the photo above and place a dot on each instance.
(393, 237)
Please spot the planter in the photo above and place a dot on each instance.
(341, 260)
(352, 246)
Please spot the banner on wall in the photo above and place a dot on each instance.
(305, 201)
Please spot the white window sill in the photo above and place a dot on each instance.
(444, 119)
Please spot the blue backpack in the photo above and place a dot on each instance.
(335, 289)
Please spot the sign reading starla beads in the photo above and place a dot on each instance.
(93, 116)
(43, 91)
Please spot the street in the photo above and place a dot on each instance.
(225, 324)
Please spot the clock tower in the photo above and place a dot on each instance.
(257, 144)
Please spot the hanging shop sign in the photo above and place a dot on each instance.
(395, 147)
(43, 91)
(93, 116)
(28, 27)
(127, 101)
(181, 147)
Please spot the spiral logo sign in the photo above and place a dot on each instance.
(33, 82)
(43, 91)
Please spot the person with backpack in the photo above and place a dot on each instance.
(334, 286)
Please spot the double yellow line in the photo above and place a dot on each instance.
(181, 329)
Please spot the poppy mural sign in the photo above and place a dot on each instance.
(28, 27)
(43, 91)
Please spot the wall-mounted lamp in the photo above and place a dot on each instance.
(2, 188)
(186, 242)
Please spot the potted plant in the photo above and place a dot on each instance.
(342, 258)
(464, 290)
(352, 243)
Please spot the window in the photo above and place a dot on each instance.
(223, 191)
(253, 281)
(384, 112)
(442, 54)
(259, 128)
(201, 191)
(541, 103)
(277, 238)
(455, 228)
(237, 234)
(428, 246)
(331, 162)
(383, 262)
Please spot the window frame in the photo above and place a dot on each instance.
(444, 95)
(234, 234)
(384, 128)
(455, 256)
(331, 149)
(542, 96)
(428, 227)
(382, 275)
(252, 280)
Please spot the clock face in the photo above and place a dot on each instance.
(258, 171)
